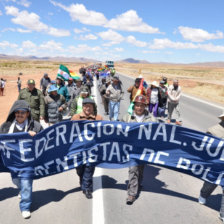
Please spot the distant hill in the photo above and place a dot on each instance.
(132, 60)
(56, 59)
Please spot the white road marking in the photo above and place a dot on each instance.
(97, 201)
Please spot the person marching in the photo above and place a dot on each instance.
(140, 114)
(163, 99)
(153, 96)
(134, 89)
(35, 98)
(105, 82)
(19, 84)
(85, 172)
(174, 93)
(44, 82)
(62, 89)
(55, 105)
(207, 188)
(76, 104)
(115, 93)
(20, 120)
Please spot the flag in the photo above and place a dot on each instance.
(63, 72)
(139, 92)
(74, 75)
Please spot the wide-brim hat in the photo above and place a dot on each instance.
(221, 115)
(155, 83)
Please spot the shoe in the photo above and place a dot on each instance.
(19, 195)
(168, 121)
(88, 194)
(201, 200)
(221, 218)
(178, 123)
(26, 214)
(130, 200)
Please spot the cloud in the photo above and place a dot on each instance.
(88, 37)
(111, 36)
(83, 30)
(212, 48)
(24, 3)
(52, 46)
(31, 21)
(0, 13)
(130, 21)
(78, 12)
(198, 35)
(137, 43)
(6, 44)
(28, 44)
(119, 49)
(23, 31)
(166, 43)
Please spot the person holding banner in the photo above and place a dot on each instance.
(140, 114)
(85, 172)
(20, 120)
(208, 188)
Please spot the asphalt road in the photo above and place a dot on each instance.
(167, 196)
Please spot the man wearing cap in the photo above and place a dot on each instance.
(35, 98)
(115, 93)
(20, 120)
(134, 89)
(140, 114)
(44, 82)
(85, 172)
(207, 189)
(174, 93)
(62, 89)
(76, 104)
(55, 105)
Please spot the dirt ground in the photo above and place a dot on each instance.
(206, 83)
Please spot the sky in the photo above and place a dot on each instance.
(175, 31)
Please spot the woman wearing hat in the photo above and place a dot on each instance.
(207, 189)
(153, 96)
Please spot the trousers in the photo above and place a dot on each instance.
(85, 174)
(135, 179)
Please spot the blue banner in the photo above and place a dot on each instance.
(70, 144)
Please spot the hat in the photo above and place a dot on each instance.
(221, 115)
(162, 82)
(138, 79)
(45, 74)
(84, 89)
(116, 78)
(70, 79)
(154, 83)
(52, 88)
(31, 81)
(88, 100)
(21, 109)
(141, 99)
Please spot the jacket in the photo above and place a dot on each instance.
(114, 94)
(62, 90)
(174, 94)
(44, 82)
(133, 90)
(131, 118)
(35, 99)
(52, 104)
